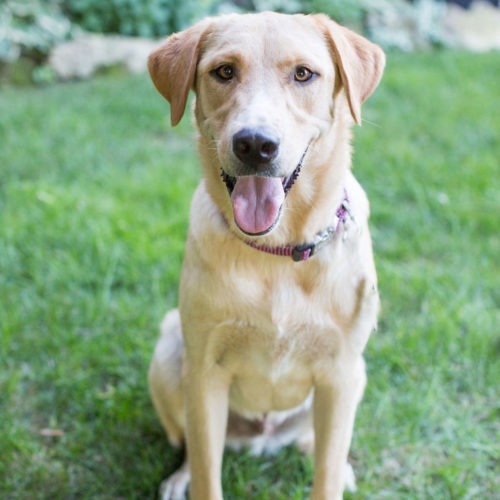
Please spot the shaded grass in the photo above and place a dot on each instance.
(94, 195)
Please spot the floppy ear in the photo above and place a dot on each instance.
(360, 62)
(172, 67)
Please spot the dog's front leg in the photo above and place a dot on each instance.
(207, 409)
(335, 403)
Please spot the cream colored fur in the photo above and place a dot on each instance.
(264, 351)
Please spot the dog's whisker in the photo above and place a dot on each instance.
(373, 124)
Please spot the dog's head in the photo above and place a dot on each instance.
(267, 87)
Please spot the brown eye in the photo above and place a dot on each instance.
(224, 72)
(303, 74)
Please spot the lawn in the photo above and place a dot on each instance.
(94, 197)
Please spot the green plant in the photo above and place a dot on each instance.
(28, 32)
(30, 29)
(146, 18)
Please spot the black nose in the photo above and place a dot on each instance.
(254, 146)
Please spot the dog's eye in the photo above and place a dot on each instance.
(224, 72)
(303, 74)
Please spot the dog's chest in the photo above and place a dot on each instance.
(277, 329)
(273, 352)
(269, 370)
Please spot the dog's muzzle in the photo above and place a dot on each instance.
(258, 198)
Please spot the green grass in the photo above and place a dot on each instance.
(94, 196)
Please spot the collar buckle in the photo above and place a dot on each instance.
(303, 252)
(307, 250)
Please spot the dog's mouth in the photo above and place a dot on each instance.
(257, 201)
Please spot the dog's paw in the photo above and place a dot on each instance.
(175, 486)
(349, 478)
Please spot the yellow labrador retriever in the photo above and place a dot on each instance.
(278, 293)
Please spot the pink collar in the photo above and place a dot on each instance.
(305, 251)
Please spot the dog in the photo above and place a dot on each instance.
(278, 291)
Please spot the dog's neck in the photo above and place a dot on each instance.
(305, 251)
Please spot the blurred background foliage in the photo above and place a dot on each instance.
(146, 18)
(30, 28)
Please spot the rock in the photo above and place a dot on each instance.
(476, 29)
(87, 53)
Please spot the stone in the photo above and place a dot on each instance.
(88, 53)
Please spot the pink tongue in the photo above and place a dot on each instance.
(257, 202)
